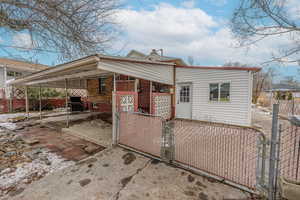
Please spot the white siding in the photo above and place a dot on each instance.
(153, 72)
(237, 111)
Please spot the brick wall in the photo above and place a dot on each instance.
(144, 95)
(93, 91)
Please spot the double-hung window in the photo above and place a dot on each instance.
(219, 92)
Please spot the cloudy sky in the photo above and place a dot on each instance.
(197, 28)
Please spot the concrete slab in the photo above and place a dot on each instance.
(118, 174)
(97, 131)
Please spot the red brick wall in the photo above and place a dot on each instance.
(20, 104)
(144, 95)
(125, 85)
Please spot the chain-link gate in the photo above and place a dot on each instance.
(232, 154)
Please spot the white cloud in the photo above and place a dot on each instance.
(184, 32)
(22, 40)
(293, 8)
(188, 3)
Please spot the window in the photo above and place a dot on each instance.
(102, 85)
(13, 74)
(185, 94)
(219, 92)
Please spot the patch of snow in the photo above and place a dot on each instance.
(5, 117)
(8, 125)
(37, 168)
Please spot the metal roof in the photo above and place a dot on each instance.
(96, 65)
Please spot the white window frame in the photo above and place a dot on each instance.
(219, 92)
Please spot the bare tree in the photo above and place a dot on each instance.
(67, 27)
(255, 20)
(190, 60)
(262, 80)
(235, 64)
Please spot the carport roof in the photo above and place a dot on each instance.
(96, 65)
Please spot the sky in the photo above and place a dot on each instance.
(190, 28)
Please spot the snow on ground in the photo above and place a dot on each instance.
(46, 163)
(8, 125)
(6, 117)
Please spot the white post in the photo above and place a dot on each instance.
(26, 102)
(136, 85)
(150, 106)
(66, 93)
(11, 96)
(40, 98)
(114, 135)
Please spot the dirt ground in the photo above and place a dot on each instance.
(47, 164)
(30, 151)
(119, 174)
(262, 119)
(97, 130)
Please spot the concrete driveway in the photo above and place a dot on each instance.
(116, 173)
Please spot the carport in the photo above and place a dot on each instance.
(74, 75)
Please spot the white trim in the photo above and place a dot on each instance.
(250, 97)
(178, 96)
(71, 76)
(58, 68)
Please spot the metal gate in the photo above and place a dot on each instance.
(232, 154)
(141, 132)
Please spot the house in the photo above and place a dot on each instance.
(283, 91)
(154, 55)
(155, 84)
(11, 69)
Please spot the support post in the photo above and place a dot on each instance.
(11, 96)
(114, 113)
(150, 92)
(40, 103)
(273, 159)
(26, 102)
(136, 82)
(66, 95)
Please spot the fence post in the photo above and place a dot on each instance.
(167, 145)
(273, 160)
(293, 106)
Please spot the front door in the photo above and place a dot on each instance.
(184, 101)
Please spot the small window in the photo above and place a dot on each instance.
(10, 73)
(102, 85)
(17, 74)
(13, 74)
(185, 94)
(219, 92)
(225, 92)
(214, 92)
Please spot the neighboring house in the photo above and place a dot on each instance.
(11, 68)
(154, 55)
(281, 92)
(157, 85)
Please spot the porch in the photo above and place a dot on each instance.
(112, 84)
